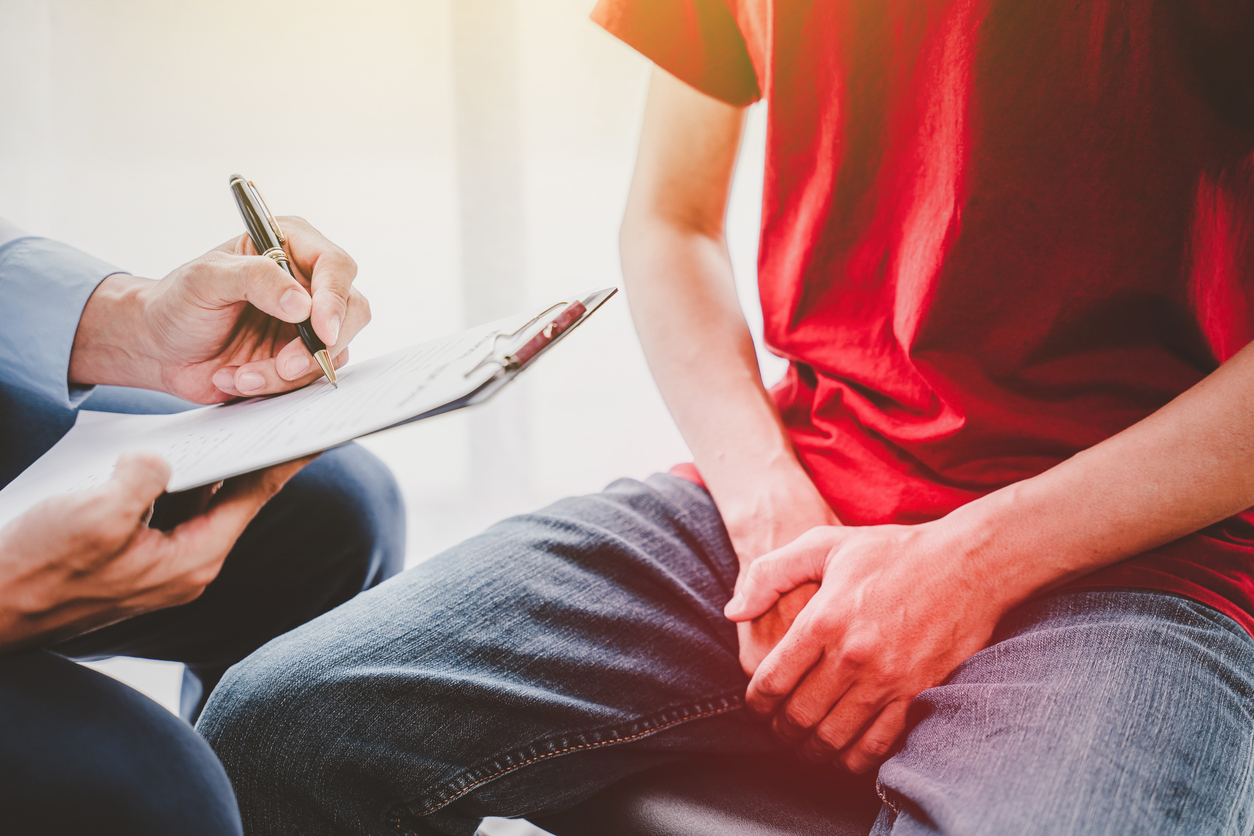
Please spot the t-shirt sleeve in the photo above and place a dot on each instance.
(697, 41)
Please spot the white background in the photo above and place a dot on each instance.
(473, 158)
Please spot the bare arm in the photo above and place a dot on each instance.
(683, 299)
(901, 606)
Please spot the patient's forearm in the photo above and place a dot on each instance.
(1188, 465)
(701, 354)
(683, 299)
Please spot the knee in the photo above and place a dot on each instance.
(354, 503)
(82, 752)
(276, 721)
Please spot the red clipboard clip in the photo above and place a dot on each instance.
(547, 334)
(513, 361)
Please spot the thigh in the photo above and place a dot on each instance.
(514, 674)
(1103, 712)
(82, 753)
(337, 528)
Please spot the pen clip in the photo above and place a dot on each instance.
(270, 219)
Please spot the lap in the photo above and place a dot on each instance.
(561, 651)
(470, 680)
(82, 753)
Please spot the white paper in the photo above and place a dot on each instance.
(207, 445)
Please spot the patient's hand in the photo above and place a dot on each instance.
(84, 560)
(774, 515)
(222, 325)
(899, 608)
(759, 636)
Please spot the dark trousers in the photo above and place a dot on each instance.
(82, 753)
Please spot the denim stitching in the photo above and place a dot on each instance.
(883, 791)
(721, 705)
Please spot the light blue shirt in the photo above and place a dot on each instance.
(44, 286)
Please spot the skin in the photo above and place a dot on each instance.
(217, 328)
(841, 627)
(222, 326)
(678, 278)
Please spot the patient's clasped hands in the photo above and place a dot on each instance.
(217, 328)
(898, 608)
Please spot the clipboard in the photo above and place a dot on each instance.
(207, 445)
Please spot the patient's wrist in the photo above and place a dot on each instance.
(1007, 543)
(112, 344)
(768, 505)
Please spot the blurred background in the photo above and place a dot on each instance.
(472, 155)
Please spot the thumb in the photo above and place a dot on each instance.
(221, 279)
(233, 508)
(780, 571)
(138, 479)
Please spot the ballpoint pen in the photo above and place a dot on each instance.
(268, 239)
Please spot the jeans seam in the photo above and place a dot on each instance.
(524, 757)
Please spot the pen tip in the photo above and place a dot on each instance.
(324, 360)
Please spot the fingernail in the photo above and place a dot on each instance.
(250, 382)
(735, 604)
(293, 302)
(335, 330)
(296, 366)
(224, 380)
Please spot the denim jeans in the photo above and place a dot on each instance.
(560, 651)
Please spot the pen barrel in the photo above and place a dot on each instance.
(309, 338)
(263, 237)
(267, 242)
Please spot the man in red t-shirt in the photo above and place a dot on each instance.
(989, 535)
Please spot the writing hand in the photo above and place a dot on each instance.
(223, 325)
(896, 612)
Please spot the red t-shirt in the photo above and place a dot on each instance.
(994, 233)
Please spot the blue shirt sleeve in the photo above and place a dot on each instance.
(44, 286)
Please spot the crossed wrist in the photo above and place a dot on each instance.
(993, 551)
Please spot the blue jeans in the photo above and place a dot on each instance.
(558, 652)
(82, 753)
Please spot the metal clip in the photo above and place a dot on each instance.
(274, 224)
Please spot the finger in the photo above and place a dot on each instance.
(110, 516)
(294, 362)
(877, 742)
(780, 571)
(200, 545)
(357, 318)
(331, 272)
(811, 700)
(220, 279)
(783, 668)
(138, 479)
(261, 378)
